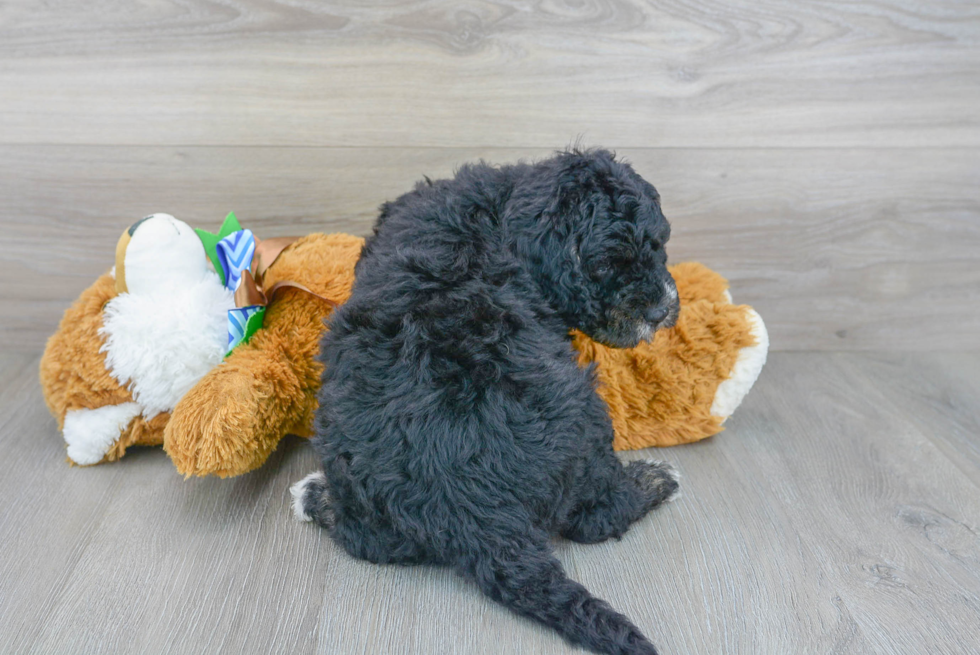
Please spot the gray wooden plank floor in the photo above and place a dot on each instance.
(839, 512)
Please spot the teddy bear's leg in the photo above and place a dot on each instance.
(91, 433)
(697, 282)
(142, 432)
(235, 416)
(746, 370)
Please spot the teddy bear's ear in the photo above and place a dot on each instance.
(121, 246)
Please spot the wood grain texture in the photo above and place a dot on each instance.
(515, 73)
(937, 393)
(826, 518)
(858, 249)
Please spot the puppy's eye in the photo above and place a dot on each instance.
(603, 268)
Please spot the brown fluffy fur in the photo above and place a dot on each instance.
(659, 393)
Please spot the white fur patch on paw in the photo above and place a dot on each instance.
(298, 492)
(674, 474)
(732, 391)
(666, 467)
(90, 433)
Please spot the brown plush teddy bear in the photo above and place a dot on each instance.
(140, 357)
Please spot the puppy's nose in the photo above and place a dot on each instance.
(656, 314)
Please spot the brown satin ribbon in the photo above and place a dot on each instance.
(250, 291)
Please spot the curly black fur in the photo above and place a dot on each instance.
(455, 426)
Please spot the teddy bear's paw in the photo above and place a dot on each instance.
(311, 500)
(658, 481)
(751, 359)
(91, 433)
(220, 427)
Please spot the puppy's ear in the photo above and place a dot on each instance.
(567, 226)
(581, 185)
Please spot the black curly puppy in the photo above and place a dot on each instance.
(455, 426)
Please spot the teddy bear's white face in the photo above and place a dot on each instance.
(169, 326)
(163, 252)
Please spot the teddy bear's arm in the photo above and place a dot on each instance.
(231, 421)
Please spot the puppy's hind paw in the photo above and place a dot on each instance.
(311, 500)
(657, 481)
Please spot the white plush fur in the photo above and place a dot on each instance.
(298, 490)
(160, 343)
(90, 433)
(745, 372)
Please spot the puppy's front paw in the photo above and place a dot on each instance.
(657, 481)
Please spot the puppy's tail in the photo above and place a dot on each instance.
(521, 573)
(311, 500)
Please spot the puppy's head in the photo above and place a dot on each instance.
(609, 259)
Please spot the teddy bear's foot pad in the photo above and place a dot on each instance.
(748, 366)
(90, 433)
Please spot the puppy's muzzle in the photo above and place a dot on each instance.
(664, 314)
